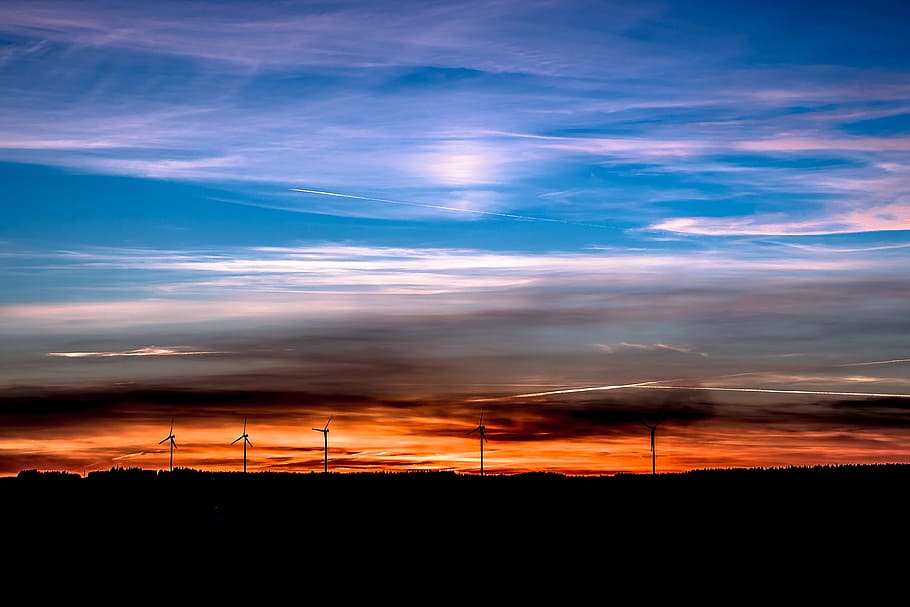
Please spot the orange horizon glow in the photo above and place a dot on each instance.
(387, 444)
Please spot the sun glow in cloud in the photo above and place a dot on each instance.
(459, 164)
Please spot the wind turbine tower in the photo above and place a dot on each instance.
(246, 441)
(325, 436)
(653, 429)
(170, 438)
(482, 430)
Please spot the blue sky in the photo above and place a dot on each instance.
(546, 193)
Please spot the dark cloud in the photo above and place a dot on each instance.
(12, 463)
(551, 332)
(885, 412)
(55, 412)
(45, 410)
(552, 419)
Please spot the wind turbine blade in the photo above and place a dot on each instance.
(244, 425)
(481, 417)
(173, 442)
(236, 439)
(317, 429)
(172, 427)
(327, 423)
(163, 439)
(474, 430)
(248, 442)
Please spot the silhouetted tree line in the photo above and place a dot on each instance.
(424, 516)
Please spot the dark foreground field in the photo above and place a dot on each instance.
(409, 501)
(784, 518)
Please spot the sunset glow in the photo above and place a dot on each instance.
(577, 217)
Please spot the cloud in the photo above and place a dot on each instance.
(147, 351)
(457, 35)
(489, 298)
(829, 249)
(443, 105)
(325, 264)
(876, 218)
(175, 168)
(128, 456)
(58, 144)
(659, 346)
(878, 362)
(638, 149)
(466, 208)
(822, 144)
(459, 163)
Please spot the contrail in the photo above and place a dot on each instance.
(445, 208)
(572, 390)
(878, 362)
(653, 385)
(774, 391)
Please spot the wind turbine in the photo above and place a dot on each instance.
(325, 436)
(653, 428)
(170, 438)
(483, 438)
(246, 441)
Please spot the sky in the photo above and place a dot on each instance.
(573, 218)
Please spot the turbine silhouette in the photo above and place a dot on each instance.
(170, 438)
(483, 438)
(653, 428)
(246, 441)
(325, 436)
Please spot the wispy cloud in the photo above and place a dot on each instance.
(58, 144)
(659, 346)
(148, 351)
(821, 144)
(880, 218)
(454, 107)
(173, 168)
(128, 456)
(333, 271)
(455, 35)
(466, 210)
(831, 249)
